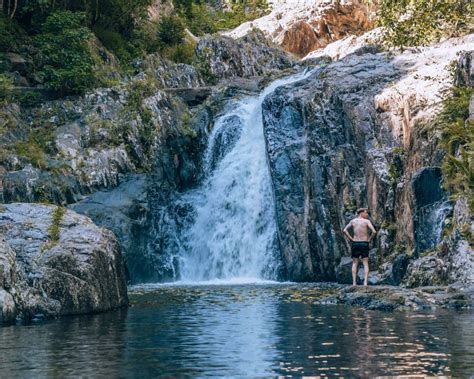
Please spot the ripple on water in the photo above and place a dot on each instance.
(257, 329)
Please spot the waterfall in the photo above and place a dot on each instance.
(429, 224)
(231, 230)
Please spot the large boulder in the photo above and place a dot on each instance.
(393, 271)
(55, 262)
(7, 281)
(453, 263)
(429, 270)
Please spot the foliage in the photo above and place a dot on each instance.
(6, 85)
(139, 90)
(419, 22)
(119, 15)
(65, 55)
(136, 108)
(142, 40)
(202, 19)
(145, 38)
(457, 138)
(241, 12)
(116, 43)
(65, 46)
(182, 53)
(395, 169)
(8, 28)
(171, 30)
(28, 98)
(117, 23)
(171, 37)
(54, 229)
(40, 142)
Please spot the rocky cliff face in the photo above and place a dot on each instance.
(251, 55)
(65, 149)
(80, 270)
(121, 154)
(347, 137)
(303, 26)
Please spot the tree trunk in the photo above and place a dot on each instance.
(15, 4)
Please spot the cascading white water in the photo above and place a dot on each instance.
(233, 234)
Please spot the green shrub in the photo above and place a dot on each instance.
(202, 19)
(202, 64)
(40, 142)
(419, 22)
(457, 138)
(115, 42)
(28, 98)
(171, 30)
(6, 85)
(145, 38)
(138, 90)
(10, 34)
(183, 53)
(65, 45)
(171, 33)
(54, 229)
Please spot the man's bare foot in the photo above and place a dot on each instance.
(354, 285)
(365, 284)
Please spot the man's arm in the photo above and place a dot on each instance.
(346, 231)
(374, 232)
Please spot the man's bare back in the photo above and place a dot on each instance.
(360, 229)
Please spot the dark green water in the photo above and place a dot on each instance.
(241, 330)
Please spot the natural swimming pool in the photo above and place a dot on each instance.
(240, 330)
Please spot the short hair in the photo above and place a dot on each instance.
(360, 210)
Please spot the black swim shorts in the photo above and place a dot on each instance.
(360, 249)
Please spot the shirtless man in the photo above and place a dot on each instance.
(360, 242)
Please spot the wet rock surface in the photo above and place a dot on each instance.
(341, 139)
(40, 277)
(346, 138)
(387, 298)
(122, 154)
(430, 206)
(381, 297)
(123, 210)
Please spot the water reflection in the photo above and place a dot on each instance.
(89, 345)
(241, 330)
(350, 340)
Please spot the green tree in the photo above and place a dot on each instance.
(171, 30)
(67, 57)
(419, 22)
(118, 15)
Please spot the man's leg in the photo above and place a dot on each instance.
(355, 263)
(365, 261)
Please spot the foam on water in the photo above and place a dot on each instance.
(241, 281)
